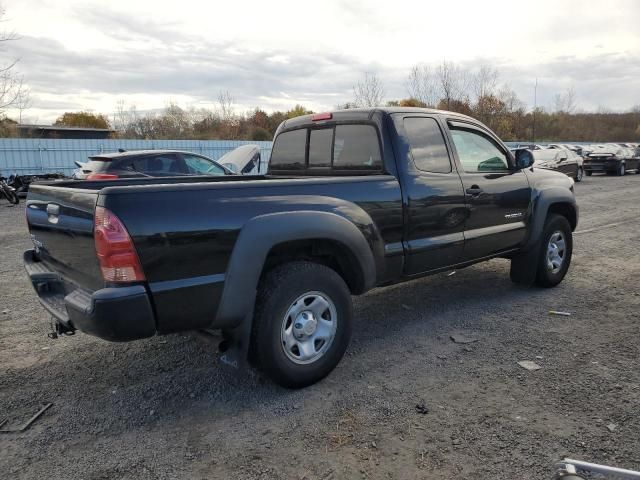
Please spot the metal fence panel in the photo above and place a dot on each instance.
(25, 156)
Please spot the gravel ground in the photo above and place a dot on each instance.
(164, 408)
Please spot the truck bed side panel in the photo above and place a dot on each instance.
(185, 236)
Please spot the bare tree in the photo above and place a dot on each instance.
(369, 92)
(452, 82)
(565, 102)
(422, 85)
(23, 101)
(225, 105)
(12, 87)
(485, 81)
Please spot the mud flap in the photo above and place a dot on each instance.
(524, 266)
(234, 348)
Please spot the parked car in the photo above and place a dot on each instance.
(244, 160)
(147, 163)
(352, 200)
(567, 146)
(561, 160)
(611, 159)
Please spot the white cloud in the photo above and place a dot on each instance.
(274, 54)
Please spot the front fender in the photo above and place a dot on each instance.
(542, 202)
(262, 233)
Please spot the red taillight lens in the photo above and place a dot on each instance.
(117, 256)
(321, 116)
(101, 176)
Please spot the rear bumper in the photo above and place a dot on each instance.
(116, 314)
(603, 166)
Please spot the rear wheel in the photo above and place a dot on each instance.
(555, 253)
(302, 323)
(588, 173)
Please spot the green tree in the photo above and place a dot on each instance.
(82, 120)
(297, 111)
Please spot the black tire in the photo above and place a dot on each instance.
(588, 173)
(579, 174)
(622, 170)
(276, 294)
(545, 277)
(11, 196)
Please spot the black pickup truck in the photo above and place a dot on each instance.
(352, 200)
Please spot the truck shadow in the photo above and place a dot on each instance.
(100, 386)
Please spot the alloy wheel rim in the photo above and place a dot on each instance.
(309, 328)
(556, 252)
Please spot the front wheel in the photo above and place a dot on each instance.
(302, 323)
(588, 173)
(11, 195)
(555, 251)
(622, 170)
(579, 174)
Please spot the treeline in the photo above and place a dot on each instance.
(447, 86)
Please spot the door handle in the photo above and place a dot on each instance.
(474, 190)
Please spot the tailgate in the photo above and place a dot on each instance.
(60, 221)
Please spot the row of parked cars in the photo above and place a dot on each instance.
(579, 160)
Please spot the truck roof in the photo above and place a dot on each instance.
(360, 114)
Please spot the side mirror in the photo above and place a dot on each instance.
(524, 159)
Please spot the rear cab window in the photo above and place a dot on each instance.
(328, 149)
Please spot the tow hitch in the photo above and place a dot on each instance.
(58, 329)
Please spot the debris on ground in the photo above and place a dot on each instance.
(462, 339)
(28, 423)
(452, 273)
(556, 312)
(612, 426)
(422, 408)
(4, 312)
(529, 365)
(406, 307)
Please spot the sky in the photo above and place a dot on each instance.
(85, 55)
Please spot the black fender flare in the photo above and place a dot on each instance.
(524, 265)
(260, 234)
(541, 204)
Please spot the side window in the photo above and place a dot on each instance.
(320, 147)
(478, 153)
(201, 166)
(427, 145)
(356, 147)
(289, 150)
(162, 165)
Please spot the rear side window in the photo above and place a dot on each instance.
(356, 148)
(427, 145)
(289, 150)
(166, 164)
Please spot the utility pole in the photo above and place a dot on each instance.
(535, 107)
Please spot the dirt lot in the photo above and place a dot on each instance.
(163, 407)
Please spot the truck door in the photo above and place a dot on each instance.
(497, 195)
(435, 210)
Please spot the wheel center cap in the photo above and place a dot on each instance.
(305, 324)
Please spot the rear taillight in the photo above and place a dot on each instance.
(117, 256)
(101, 176)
